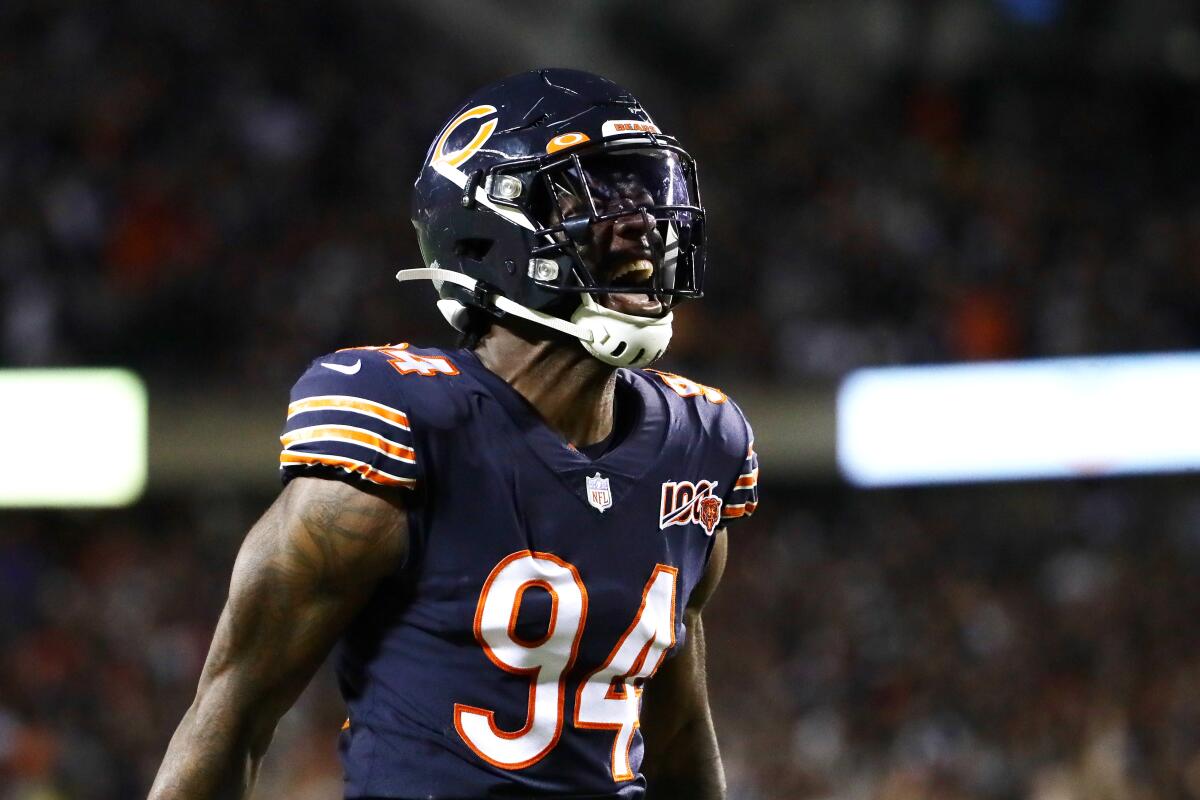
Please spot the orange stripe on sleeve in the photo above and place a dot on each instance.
(347, 403)
(348, 464)
(747, 480)
(739, 510)
(351, 435)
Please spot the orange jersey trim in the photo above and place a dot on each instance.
(348, 464)
(747, 480)
(338, 402)
(398, 346)
(350, 435)
(739, 510)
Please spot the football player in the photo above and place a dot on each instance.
(511, 542)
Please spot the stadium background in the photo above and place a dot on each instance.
(212, 193)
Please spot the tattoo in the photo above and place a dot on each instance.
(304, 570)
(343, 533)
(326, 549)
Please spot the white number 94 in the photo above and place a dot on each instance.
(608, 698)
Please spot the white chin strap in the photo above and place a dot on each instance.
(622, 340)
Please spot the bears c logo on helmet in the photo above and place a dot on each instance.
(472, 147)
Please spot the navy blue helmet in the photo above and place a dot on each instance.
(515, 180)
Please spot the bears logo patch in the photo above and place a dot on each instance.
(710, 513)
(684, 503)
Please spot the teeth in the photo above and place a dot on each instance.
(641, 270)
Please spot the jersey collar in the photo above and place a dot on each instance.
(631, 459)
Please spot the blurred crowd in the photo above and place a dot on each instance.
(1032, 642)
(227, 184)
(214, 192)
(108, 617)
(1008, 643)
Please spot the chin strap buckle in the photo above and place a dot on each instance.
(484, 296)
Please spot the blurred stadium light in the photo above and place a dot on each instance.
(1051, 418)
(74, 437)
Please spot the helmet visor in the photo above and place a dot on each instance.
(644, 177)
(648, 197)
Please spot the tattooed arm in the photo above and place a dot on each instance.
(303, 572)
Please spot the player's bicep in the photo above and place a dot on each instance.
(302, 573)
(678, 691)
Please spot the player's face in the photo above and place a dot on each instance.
(627, 251)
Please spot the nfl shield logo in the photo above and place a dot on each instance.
(598, 492)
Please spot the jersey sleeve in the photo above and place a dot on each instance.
(741, 500)
(339, 425)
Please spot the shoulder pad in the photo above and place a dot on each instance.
(731, 430)
(349, 417)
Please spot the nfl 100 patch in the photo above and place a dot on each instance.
(684, 503)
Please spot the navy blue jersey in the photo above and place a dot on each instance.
(542, 588)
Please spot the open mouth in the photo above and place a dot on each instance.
(635, 274)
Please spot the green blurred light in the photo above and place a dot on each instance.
(72, 437)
